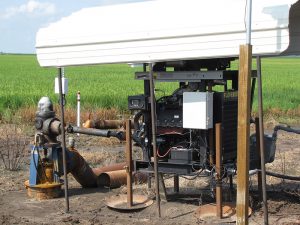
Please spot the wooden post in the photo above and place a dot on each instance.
(219, 170)
(129, 163)
(245, 64)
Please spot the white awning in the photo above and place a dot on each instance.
(167, 30)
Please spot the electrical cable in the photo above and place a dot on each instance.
(162, 156)
(194, 177)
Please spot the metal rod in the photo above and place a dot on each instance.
(262, 145)
(219, 170)
(129, 163)
(211, 136)
(153, 123)
(252, 93)
(258, 166)
(248, 21)
(211, 146)
(78, 110)
(63, 141)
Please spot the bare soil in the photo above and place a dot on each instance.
(87, 206)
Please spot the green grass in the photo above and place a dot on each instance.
(23, 82)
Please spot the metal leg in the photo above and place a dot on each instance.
(231, 189)
(162, 182)
(149, 181)
(176, 183)
(219, 170)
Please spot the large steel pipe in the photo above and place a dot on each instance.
(112, 179)
(113, 167)
(104, 124)
(80, 169)
(96, 132)
(117, 178)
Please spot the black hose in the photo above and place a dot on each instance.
(287, 177)
(278, 175)
(287, 129)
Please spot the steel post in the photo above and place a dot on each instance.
(63, 142)
(153, 124)
(129, 163)
(261, 138)
(258, 166)
(78, 110)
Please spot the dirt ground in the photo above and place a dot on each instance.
(87, 206)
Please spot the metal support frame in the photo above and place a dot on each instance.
(261, 142)
(63, 141)
(190, 76)
(153, 123)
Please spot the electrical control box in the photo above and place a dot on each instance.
(137, 102)
(64, 86)
(198, 110)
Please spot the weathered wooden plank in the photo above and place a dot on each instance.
(245, 65)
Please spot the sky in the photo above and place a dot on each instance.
(21, 19)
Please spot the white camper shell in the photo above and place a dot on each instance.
(168, 30)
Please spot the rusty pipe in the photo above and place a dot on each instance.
(80, 169)
(117, 178)
(112, 179)
(113, 167)
(105, 124)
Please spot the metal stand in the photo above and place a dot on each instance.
(60, 72)
(153, 121)
(128, 202)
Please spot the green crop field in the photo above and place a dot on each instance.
(23, 82)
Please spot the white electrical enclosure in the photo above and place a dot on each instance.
(168, 30)
(64, 86)
(198, 110)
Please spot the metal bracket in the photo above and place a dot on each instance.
(190, 76)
